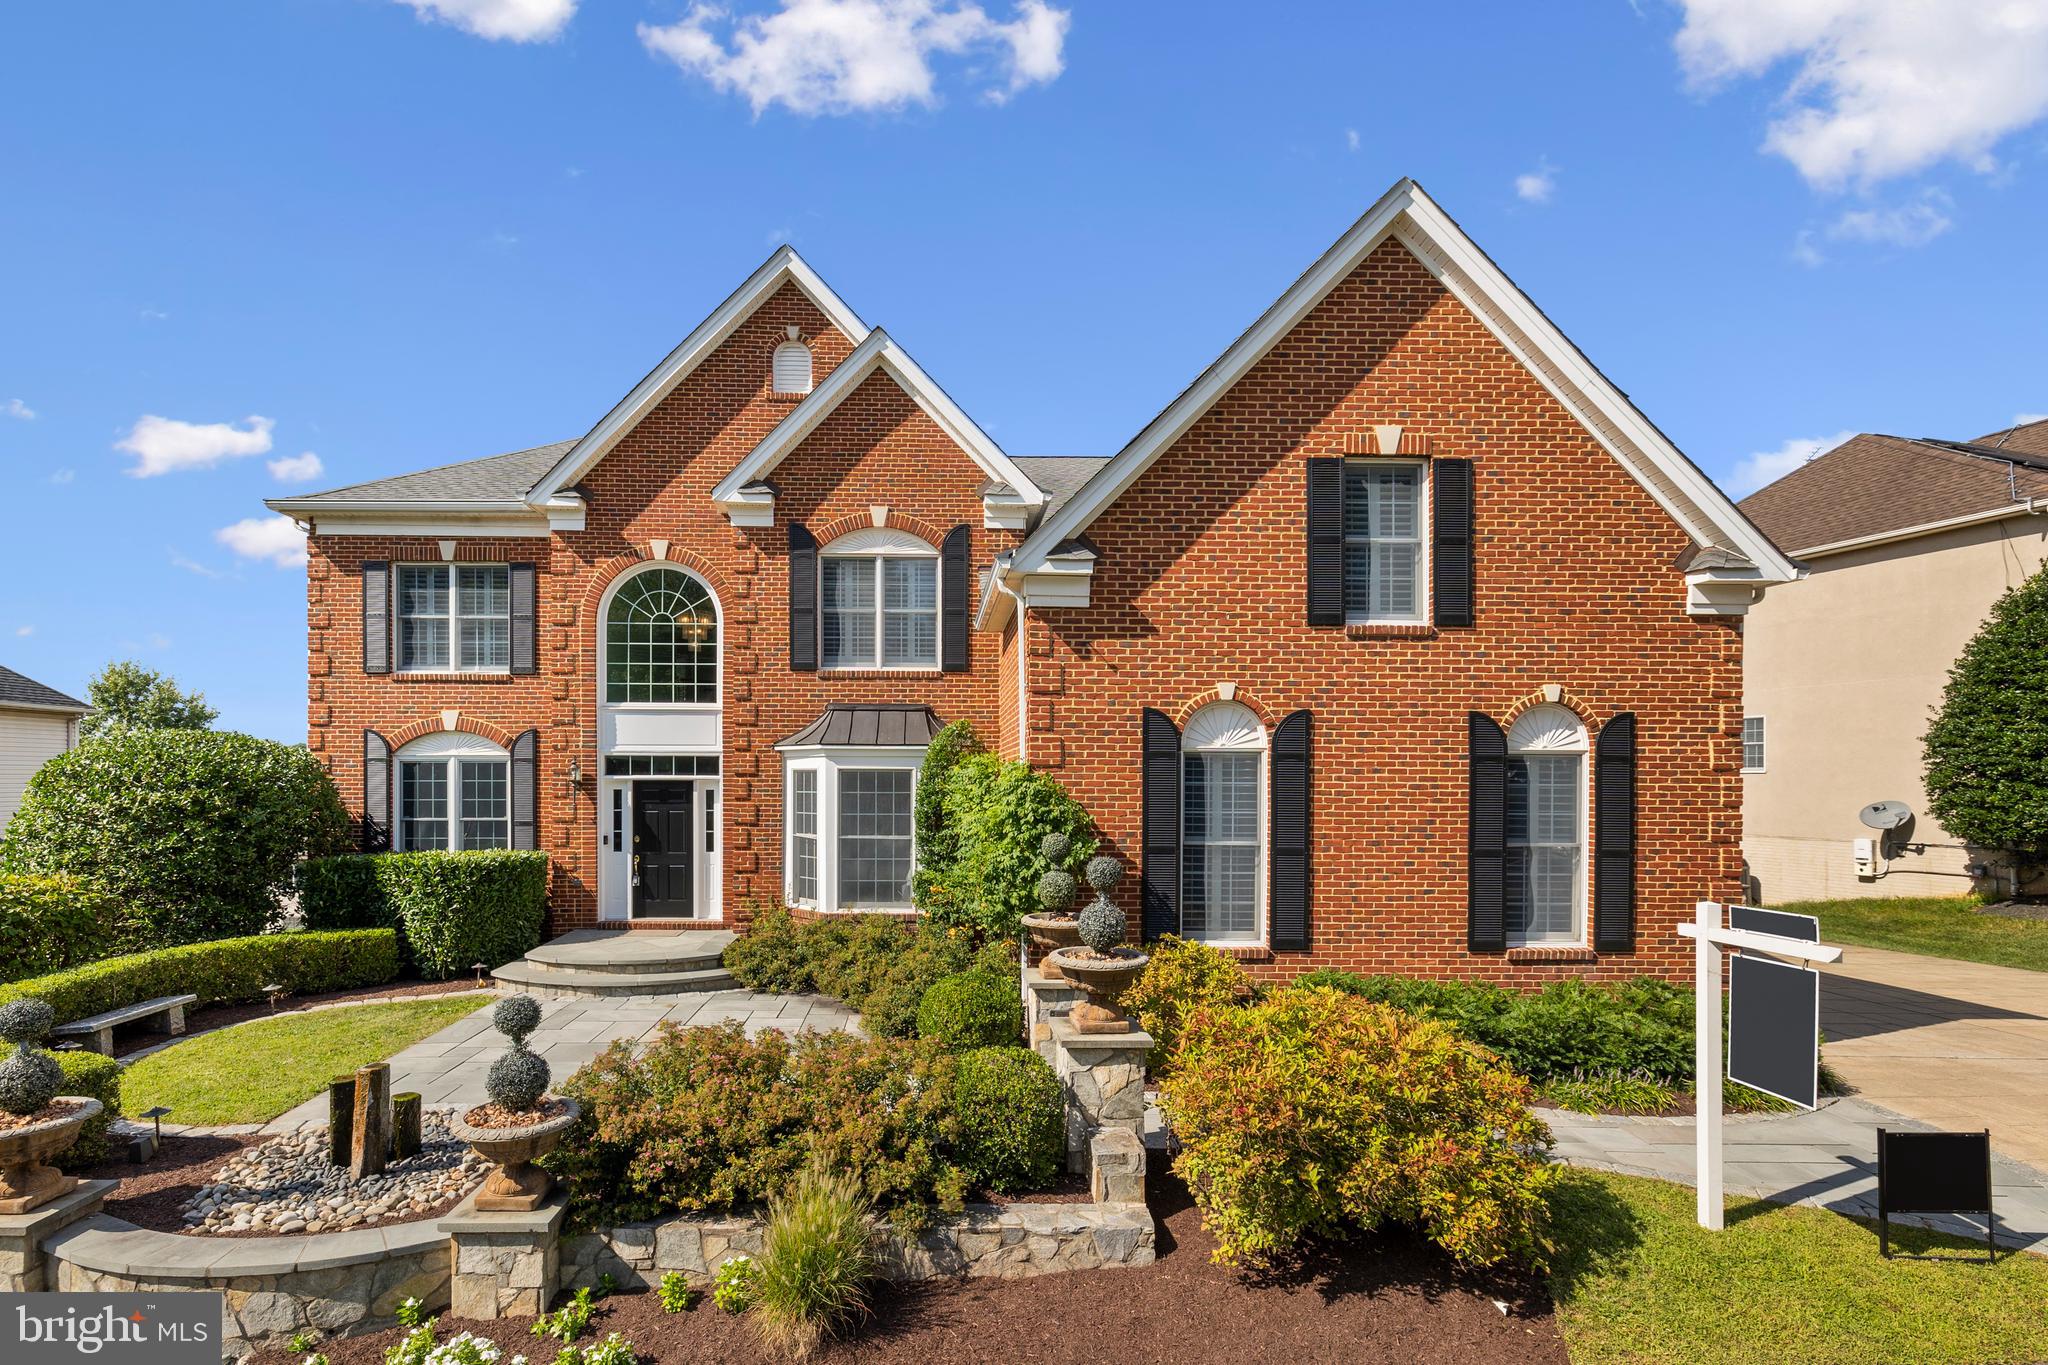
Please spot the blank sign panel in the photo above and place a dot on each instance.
(1774, 1028)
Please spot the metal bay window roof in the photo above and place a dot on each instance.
(854, 725)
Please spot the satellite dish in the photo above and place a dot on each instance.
(1886, 815)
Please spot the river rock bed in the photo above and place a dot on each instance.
(287, 1186)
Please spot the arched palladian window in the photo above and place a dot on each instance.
(1545, 885)
(661, 640)
(1223, 820)
(792, 366)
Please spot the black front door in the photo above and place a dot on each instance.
(662, 850)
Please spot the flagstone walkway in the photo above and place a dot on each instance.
(1827, 1158)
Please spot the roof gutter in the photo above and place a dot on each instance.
(2029, 507)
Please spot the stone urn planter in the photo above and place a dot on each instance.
(521, 1123)
(1049, 933)
(1100, 964)
(36, 1123)
(1056, 926)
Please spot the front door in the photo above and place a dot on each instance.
(663, 850)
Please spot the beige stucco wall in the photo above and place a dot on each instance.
(1845, 668)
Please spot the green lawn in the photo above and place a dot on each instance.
(251, 1073)
(1936, 926)
(1641, 1282)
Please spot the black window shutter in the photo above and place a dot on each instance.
(525, 790)
(1161, 821)
(376, 793)
(1614, 836)
(1486, 841)
(953, 600)
(1325, 542)
(1450, 548)
(1290, 834)
(803, 599)
(376, 616)
(523, 653)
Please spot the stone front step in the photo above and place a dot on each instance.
(627, 952)
(561, 984)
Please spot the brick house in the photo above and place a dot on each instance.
(1400, 640)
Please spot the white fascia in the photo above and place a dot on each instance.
(1728, 591)
(329, 517)
(784, 267)
(1064, 579)
(1686, 493)
(878, 352)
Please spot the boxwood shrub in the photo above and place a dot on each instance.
(226, 970)
(50, 923)
(1012, 1119)
(971, 1010)
(450, 909)
(99, 1078)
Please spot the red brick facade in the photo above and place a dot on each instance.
(1199, 583)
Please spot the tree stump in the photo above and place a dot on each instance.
(341, 1118)
(405, 1125)
(372, 1137)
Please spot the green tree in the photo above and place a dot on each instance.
(1987, 748)
(126, 695)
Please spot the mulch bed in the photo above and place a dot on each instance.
(135, 1038)
(2033, 910)
(1388, 1298)
(153, 1195)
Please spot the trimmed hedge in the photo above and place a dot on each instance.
(50, 923)
(1012, 1119)
(971, 1010)
(228, 970)
(452, 909)
(99, 1078)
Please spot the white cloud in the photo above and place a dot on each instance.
(1879, 88)
(163, 445)
(24, 631)
(63, 475)
(2021, 419)
(1537, 186)
(1768, 466)
(1806, 249)
(275, 538)
(14, 407)
(179, 561)
(1351, 139)
(846, 56)
(296, 468)
(1912, 224)
(155, 315)
(521, 21)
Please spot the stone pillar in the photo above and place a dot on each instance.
(504, 1265)
(24, 1269)
(1116, 1173)
(1103, 1075)
(1046, 999)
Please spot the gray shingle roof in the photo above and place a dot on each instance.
(1061, 476)
(853, 724)
(495, 478)
(15, 690)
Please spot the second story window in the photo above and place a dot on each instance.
(1384, 572)
(878, 605)
(1752, 744)
(454, 618)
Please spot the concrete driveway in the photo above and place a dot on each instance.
(1958, 1045)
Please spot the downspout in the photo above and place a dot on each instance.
(1023, 666)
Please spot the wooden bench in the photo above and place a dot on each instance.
(165, 1014)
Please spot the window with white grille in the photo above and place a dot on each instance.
(1753, 744)
(454, 618)
(1545, 887)
(1384, 545)
(1223, 781)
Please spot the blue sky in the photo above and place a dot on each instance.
(393, 233)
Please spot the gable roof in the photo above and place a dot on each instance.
(1875, 487)
(879, 352)
(1414, 219)
(494, 479)
(783, 267)
(2028, 438)
(1059, 477)
(25, 693)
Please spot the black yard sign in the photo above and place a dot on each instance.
(1934, 1173)
(1774, 1028)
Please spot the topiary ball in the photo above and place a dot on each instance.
(516, 1016)
(1055, 847)
(29, 1080)
(26, 1021)
(1057, 890)
(1102, 925)
(1104, 871)
(517, 1079)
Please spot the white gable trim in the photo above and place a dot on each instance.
(784, 267)
(1405, 212)
(878, 352)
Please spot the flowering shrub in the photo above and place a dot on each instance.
(1314, 1113)
(732, 1286)
(708, 1118)
(1180, 978)
(420, 1348)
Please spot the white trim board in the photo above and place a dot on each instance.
(784, 267)
(878, 352)
(1409, 215)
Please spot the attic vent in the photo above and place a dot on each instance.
(792, 366)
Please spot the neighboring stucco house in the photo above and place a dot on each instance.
(1907, 543)
(36, 724)
(1400, 640)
